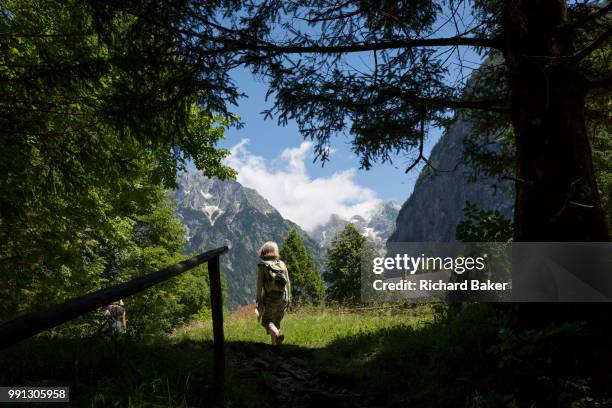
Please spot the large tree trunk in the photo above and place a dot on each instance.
(556, 191)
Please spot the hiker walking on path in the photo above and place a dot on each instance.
(115, 314)
(273, 290)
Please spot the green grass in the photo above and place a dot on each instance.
(315, 327)
(419, 356)
(176, 370)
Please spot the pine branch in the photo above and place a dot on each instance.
(421, 143)
(41, 35)
(596, 44)
(593, 16)
(492, 105)
(338, 16)
(360, 47)
(605, 83)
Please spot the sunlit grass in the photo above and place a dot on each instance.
(313, 327)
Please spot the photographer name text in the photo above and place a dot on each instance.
(439, 285)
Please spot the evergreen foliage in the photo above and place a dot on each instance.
(480, 225)
(306, 283)
(343, 265)
(601, 142)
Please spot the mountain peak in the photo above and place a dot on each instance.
(377, 225)
(212, 196)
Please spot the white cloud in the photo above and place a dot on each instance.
(285, 183)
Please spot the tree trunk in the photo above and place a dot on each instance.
(556, 191)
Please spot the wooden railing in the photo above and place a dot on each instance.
(31, 324)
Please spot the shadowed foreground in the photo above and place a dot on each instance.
(384, 357)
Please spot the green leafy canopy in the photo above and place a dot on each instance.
(94, 125)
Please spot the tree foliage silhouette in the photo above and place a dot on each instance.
(383, 72)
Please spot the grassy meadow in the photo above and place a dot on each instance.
(311, 327)
(419, 356)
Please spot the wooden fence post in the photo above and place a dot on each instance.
(216, 303)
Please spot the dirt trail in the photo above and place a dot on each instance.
(289, 375)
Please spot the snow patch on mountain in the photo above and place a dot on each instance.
(206, 195)
(212, 212)
(377, 225)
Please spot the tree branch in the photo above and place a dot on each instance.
(361, 47)
(585, 52)
(492, 105)
(243, 44)
(40, 35)
(339, 16)
(333, 9)
(605, 83)
(599, 13)
(421, 143)
(598, 116)
(55, 112)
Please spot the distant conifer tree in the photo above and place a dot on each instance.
(306, 282)
(343, 265)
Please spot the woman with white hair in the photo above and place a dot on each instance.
(115, 315)
(273, 290)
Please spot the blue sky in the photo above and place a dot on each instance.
(268, 139)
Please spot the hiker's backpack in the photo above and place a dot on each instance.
(116, 311)
(274, 275)
(113, 322)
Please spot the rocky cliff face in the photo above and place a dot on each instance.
(216, 213)
(378, 225)
(382, 222)
(436, 205)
